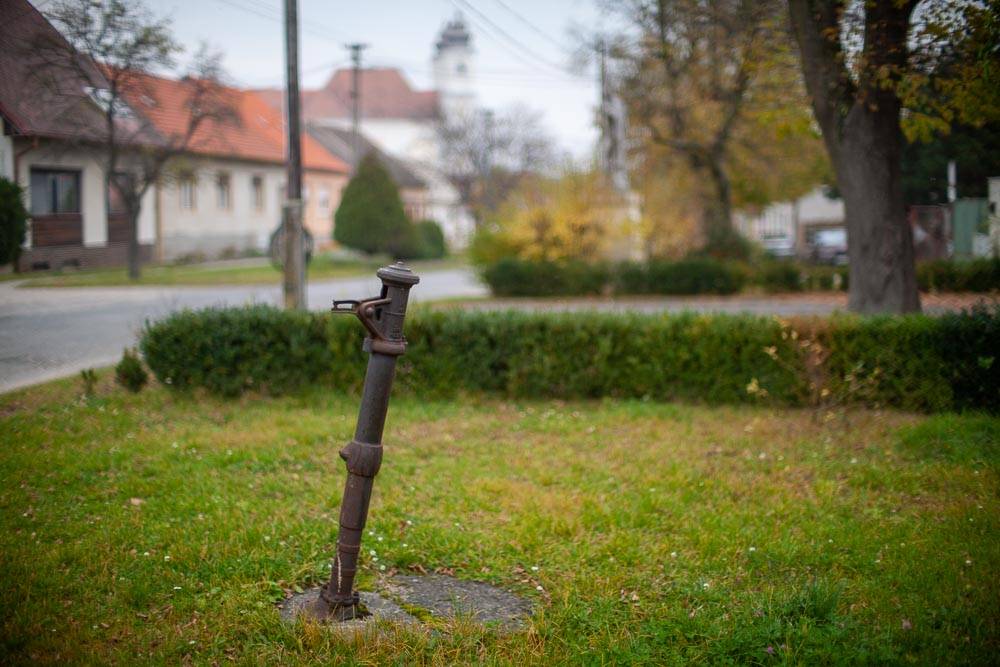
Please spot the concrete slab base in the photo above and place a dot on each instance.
(308, 606)
(434, 594)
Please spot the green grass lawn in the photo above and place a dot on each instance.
(322, 267)
(157, 529)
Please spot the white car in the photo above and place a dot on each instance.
(830, 246)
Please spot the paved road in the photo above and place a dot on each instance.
(47, 333)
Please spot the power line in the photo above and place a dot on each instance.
(506, 35)
(263, 10)
(534, 28)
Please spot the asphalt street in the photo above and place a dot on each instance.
(46, 333)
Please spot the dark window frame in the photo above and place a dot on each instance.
(53, 195)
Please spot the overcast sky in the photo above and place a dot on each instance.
(523, 47)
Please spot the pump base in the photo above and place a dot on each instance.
(309, 605)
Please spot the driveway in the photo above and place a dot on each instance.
(46, 333)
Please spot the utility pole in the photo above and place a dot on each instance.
(356, 50)
(294, 257)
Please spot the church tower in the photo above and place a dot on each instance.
(453, 69)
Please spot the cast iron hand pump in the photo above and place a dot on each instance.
(382, 317)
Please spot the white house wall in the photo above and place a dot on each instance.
(6, 157)
(209, 229)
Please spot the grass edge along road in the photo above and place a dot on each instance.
(261, 272)
(158, 528)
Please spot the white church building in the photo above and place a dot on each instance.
(405, 122)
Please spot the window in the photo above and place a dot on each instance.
(222, 198)
(103, 98)
(324, 199)
(188, 190)
(257, 189)
(54, 191)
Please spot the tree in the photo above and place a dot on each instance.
(370, 217)
(486, 155)
(112, 46)
(859, 115)
(865, 64)
(695, 75)
(13, 221)
(567, 217)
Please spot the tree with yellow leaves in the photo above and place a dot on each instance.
(576, 215)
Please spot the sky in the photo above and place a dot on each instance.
(523, 48)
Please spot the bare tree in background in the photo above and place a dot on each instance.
(488, 154)
(112, 46)
(691, 69)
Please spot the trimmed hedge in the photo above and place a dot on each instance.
(687, 276)
(976, 275)
(229, 351)
(913, 362)
(517, 277)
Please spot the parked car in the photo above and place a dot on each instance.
(829, 246)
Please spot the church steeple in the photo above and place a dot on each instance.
(453, 56)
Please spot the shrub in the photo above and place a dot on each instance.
(780, 277)
(694, 276)
(130, 373)
(823, 278)
(518, 277)
(914, 362)
(230, 351)
(370, 217)
(88, 377)
(917, 362)
(976, 275)
(431, 240)
(13, 221)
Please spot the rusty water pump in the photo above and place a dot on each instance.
(382, 317)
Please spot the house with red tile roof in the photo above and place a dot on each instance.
(223, 194)
(52, 128)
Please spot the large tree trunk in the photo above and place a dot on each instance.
(879, 238)
(859, 118)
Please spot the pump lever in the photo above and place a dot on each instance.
(366, 311)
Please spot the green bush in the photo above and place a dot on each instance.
(13, 221)
(130, 373)
(976, 275)
(780, 277)
(230, 351)
(431, 240)
(917, 362)
(914, 362)
(694, 276)
(518, 277)
(371, 218)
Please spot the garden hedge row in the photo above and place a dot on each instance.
(517, 277)
(912, 362)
